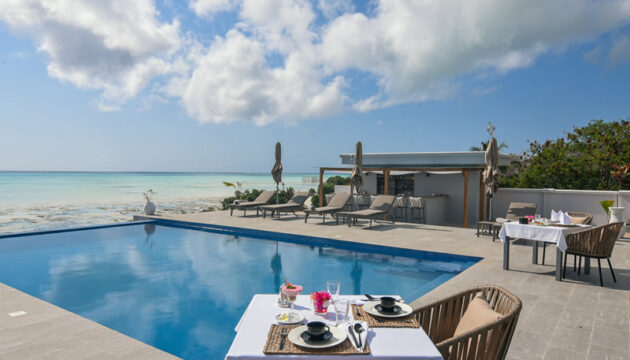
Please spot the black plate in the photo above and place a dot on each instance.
(316, 339)
(394, 310)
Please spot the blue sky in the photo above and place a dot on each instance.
(211, 85)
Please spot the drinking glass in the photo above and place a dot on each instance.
(341, 306)
(333, 288)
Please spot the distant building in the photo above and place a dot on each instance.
(452, 176)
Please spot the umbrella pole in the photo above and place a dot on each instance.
(490, 209)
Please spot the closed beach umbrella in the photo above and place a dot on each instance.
(276, 171)
(491, 174)
(357, 171)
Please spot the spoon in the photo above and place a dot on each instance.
(359, 329)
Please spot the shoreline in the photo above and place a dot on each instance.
(40, 217)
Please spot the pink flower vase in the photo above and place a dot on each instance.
(321, 307)
(321, 300)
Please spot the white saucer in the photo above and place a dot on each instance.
(338, 337)
(292, 318)
(405, 310)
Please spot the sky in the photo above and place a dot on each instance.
(211, 85)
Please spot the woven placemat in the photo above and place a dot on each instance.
(273, 345)
(376, 321)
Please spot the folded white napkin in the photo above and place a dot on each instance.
(554, 215)
(565, 219)
(363, 335)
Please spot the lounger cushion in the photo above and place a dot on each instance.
(326, 209)
(265, 196)
(339, 200)
(383, 202)
(299, 198)
(478, 313)
(247, 204)
(365, 213)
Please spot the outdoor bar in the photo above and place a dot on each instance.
(449, 183)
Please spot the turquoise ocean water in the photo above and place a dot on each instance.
(50, 200)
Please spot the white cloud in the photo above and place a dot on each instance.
(116, 46)
(232, 82)
(334, 8)
(419, 49)
(282, 62)
(209, 7)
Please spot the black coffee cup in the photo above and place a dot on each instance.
(388, 302)
(317, 328)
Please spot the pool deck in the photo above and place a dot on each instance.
(573, 319)
(31, 328)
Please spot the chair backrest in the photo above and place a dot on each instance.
(265, 196)
(339, 200)
(578, 217)
(299, 197)
(597, 242)
(383, 202)
(518, 209)
(491, 341)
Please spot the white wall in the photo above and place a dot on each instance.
(453, 186)
(567, 200)
(370, 183)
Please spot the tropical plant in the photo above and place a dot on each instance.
(484, 146)
(620, 172)
(607, 204)
(583, 159)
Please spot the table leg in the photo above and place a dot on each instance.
(535, 252)
(506, 254)
(587, 265)
(558, 264)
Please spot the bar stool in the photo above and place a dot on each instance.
(416, 205)
(400, 208)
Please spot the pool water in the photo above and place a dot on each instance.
(184, 290)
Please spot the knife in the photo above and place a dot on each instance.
(351, 331)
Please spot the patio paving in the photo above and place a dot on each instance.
(31, 328)
(572, 319)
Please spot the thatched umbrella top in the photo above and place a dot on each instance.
(276, 171)
(357, 171)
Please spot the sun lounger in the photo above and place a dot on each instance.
(515, 210)
(335, 205)
(380, 207)
(262, 199)
(295, 204)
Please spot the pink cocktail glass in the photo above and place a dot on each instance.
(291, 293)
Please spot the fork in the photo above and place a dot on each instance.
(283, 335)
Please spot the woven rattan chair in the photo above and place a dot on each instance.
(595, 243)
(440, 319)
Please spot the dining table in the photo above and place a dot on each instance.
(384, 342)
(538, 233)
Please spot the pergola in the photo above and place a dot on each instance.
(464, 162)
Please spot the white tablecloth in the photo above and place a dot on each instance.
(550, 234)
(385, 343)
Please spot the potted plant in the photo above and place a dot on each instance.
(149, 207)
(620, 173)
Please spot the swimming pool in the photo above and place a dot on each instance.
(183, 290)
